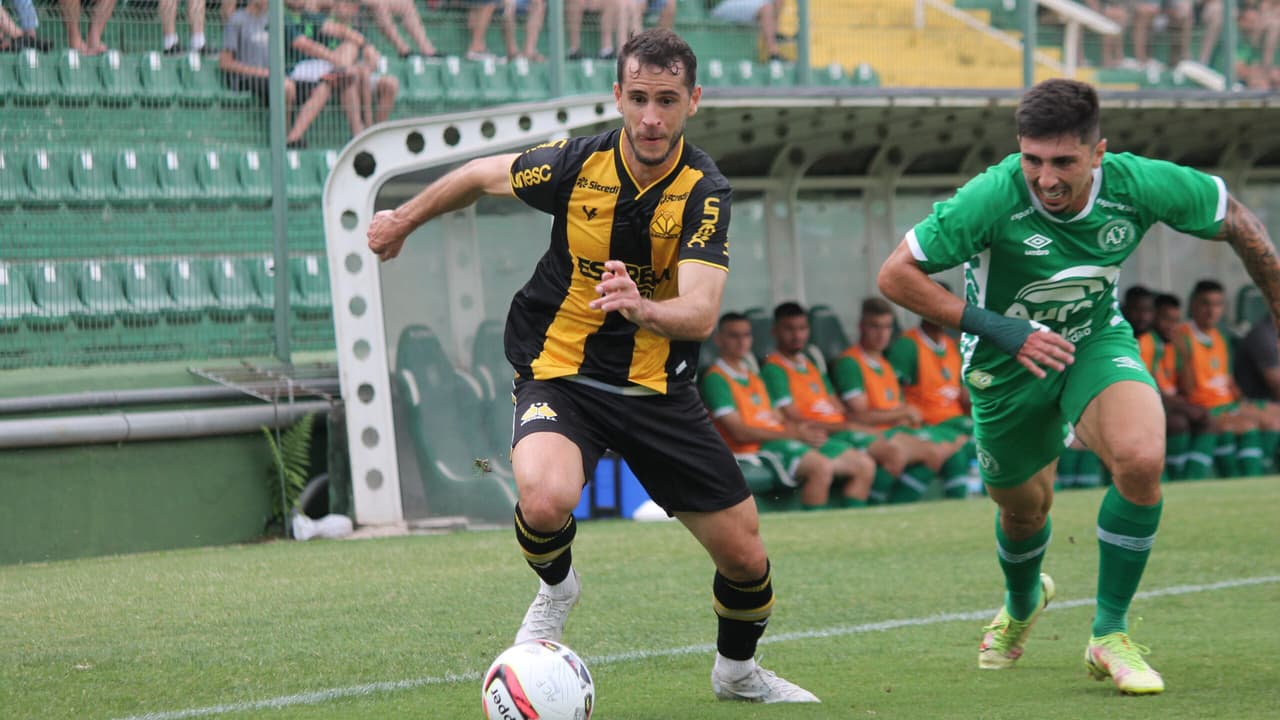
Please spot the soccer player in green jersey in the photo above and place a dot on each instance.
(1042, 235)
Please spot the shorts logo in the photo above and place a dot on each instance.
(1117, 235)
(1037, 244)
(980, 379)
(989, 464)
(1128, 363)
(538, 411)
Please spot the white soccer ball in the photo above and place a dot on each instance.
(538, 680)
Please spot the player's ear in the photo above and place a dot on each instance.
(1098, 151)
(694, 97)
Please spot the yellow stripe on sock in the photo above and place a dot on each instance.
(750, 615)
(531, 535)
(540, 558)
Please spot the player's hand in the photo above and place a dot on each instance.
(1046, 348)
(913, 417)
(812, 435)
(618, 292)
(387, 233)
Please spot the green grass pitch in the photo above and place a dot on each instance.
(879, 613)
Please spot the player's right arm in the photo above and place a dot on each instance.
(455, 190)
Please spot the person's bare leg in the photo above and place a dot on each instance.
(768, 19)
(168, 11)
(535, 15)
(71, 19)
(509, 28)
(1211, 16)
(387, 89)
(815, 472)
(228, 9)
(381, 12)
(859, 470)
(668, 17)
(1143, 17)
(412, 22)
(195, 18)
(573, 10)
(477, 22)
(611, 23)
(309, 111)
(101, 14)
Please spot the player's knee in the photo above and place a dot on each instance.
(546, 510)
(1139, 461)
(1022, 524)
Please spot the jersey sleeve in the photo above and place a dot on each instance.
(1183, 198)
(775, 381)
(717, 395)
(538, 173)
(846, 376)
(704, 235)
(902, 356)
(959, 227)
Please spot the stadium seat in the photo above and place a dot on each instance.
(147, 292)
(745, 73)
(118, 78)
(714, 74)
(420, 81)
(216, 175)
(826, 333)
(761, 331)
(589, 76)
(780, 74)
(48, 176)
(530, 82)
(13, 180)
(832, 75)
(311, 278)
(101, 290)
(78, 80)
(202, 83)
(254, 172)
(135, 178)
(460, 83)
(91, 180)
(16, 303)
(53, 286)
(489, 362)
(176, 177)
(191, 290)
(262, 272)
(235, 291)
(303, 174)
(158, 79)
(37, 77)
(443, 409)
(495, 82)
(865, 76)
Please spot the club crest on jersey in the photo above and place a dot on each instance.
(538, 411)
(1117, 235)
(664, 227)
(1037, 244)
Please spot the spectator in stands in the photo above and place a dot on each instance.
(868, 385)
(1147, 15)
(245, 63)
(377, 90)
(169, 26)
(1211, 20)
(22, 35)
(479, 15)
(319, 49)
(92, 45)
(1183, 420)
(535, 13)
(385, 13)
(764, 13)
(1204, 377)
(739, 404)
(1259, 38)
(1113, 45)
(611, 25)
(635, 11)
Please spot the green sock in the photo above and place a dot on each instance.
(852, 502)
(1089, 470)
(912, 485)
(1020, 560)
(811, 508)
(1068, 468)
(1199, 463)
(1224, 455)
(1270, 443)
(955, 475)
(1249, 453)
(1176, 448)
(881, 486)
(1126, 533)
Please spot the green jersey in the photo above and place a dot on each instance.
(1058, 270)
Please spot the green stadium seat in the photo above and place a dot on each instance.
(490, 366)
(91, 177)
(826, 332)
(590, 76)
(460, 83)
(779, 74)
(254, 171)
(191, 289)
(311, 278)
(420, 81)
(147, 292)
(235, 291)
(443, 407)
(78, 79)
(530, 82)
(48, 176)
(159, 83)
(13, 180)
(37, 77)
(53, 286)
(216, 175)
(714, 74)
(262, 272)
(761, 331)
(303, 174)
(202, 83)
(101, 288)
(118, 78)
(833, 75)
(865, 76)
(176, 177)
(495, 82)
(135, 177)
(744, 73)
(16, 303)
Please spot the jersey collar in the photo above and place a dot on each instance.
(622, 160)
(1088, 207)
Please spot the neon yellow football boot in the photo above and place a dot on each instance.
(1002, 644)
(1116, 656)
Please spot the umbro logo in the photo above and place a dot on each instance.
(1128, 363)
(1037, 244)
(590, 212)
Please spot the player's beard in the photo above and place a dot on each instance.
(654, 162)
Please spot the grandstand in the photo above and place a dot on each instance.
(137, 243)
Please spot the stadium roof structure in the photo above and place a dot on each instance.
(772, 140)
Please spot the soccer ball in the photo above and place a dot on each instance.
(537, 680)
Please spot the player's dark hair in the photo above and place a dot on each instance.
(787, 310)
(1136, 293)
(1206, 286)
(729, 317)
(1059, 107)
(876, 307)
(1164, 300)
(659, 47)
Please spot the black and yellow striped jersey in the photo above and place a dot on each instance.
(601, 214)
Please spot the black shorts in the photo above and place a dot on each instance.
(667, 440)
(261, 87)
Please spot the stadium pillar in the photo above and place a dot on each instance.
(1029, 42)
(279, 201)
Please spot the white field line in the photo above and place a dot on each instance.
(322, 696)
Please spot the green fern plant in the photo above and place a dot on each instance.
(291, 464)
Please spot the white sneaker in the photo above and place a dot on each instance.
(550, 609)
(758, 685)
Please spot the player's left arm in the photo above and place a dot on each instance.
(1249, 238)
(691, 315)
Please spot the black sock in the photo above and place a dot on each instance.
(744, 610)
(551, 555)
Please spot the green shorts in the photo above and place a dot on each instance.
(786, 452)
(951, 429)
(1022, 425)
(1226, 409)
